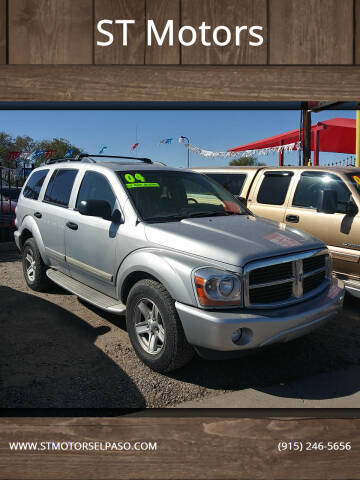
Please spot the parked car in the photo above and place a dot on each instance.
(7, 212)
(7, 206)
(11, 193)
(323, 201)
(191, 266)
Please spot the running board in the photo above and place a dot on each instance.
(353, 287)
(86, 293)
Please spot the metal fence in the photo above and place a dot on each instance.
(345, 162)
(11, 181)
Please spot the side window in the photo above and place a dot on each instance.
(34, 184)
(310, 185)
(274, 188)
(95, 187)
(59, 188)
(231, 181)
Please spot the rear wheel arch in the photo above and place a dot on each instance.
(30, 229)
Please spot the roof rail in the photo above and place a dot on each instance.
(62, 160)
(87, 155)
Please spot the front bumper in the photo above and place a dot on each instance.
(213, 329)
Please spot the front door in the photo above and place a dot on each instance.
(90, 242)
(338, 230)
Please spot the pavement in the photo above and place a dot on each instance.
(59, 352)
(339, 389)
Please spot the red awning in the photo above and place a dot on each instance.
(337, 135)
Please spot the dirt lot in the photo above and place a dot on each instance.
(58, 352)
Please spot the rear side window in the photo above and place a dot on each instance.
(311, 183)
(34, 184)
(95, 187)
(274, 188)
(231, 181)
(59, 188)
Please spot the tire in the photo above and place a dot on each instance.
(151, 312)
(34, 268)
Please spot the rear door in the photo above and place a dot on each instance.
(337, 230)
(53, 213)
(270, 195)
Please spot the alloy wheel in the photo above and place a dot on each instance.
(149, 326)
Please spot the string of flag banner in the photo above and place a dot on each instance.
(47, 154)
(210, 154)
(263, 151)
(29, 158)
(31, 155)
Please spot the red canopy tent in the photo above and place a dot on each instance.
(337, 135)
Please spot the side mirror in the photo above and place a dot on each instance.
(327, 201)
(351, 208)
(95, 208)
(116, 217)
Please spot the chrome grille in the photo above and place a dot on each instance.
(271, 294)
(313, 263)
(286, 280)
(268, 274)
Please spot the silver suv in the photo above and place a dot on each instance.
(193, 269)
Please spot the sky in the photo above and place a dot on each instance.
(215, 130)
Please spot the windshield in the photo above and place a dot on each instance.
(355, 179)
(165, 196)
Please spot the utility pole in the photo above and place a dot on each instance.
(182, 139)
(306, 134)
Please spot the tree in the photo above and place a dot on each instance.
(61, 145)
(246, 161)
(5, 145)
(26, 144)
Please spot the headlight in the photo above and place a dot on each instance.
(215, 287)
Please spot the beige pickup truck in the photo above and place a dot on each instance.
(322, 201)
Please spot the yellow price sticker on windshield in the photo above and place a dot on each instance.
(357, 179)
(142, 185)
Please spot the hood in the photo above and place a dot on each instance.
(235, 240)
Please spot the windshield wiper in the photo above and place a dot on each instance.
(178, 218)
(212, 214)
(165, 218)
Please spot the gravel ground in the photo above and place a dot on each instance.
(58, 352)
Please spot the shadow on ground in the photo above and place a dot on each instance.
(334, 347)
(49, 360)
(9, 257)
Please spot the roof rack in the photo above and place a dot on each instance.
(86, 157)
(62, 160)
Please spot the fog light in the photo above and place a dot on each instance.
(236, 336)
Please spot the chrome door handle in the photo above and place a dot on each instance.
(72, 226)
(292, 218)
